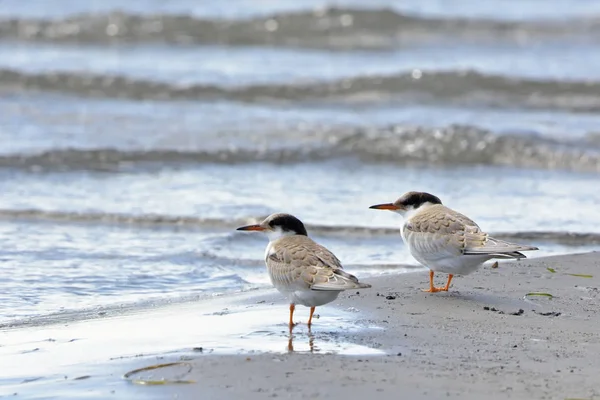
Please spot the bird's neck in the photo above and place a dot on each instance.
(279, 233)
(410, 213)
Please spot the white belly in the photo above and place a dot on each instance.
(460, 265)
(312, 298)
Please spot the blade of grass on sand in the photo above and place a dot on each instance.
(539, 294)
(578, 275)
(582, 275)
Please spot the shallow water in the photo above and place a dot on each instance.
(46, 362)
(136, 137)
(81, 243)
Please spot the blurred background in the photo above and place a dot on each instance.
(136, 136)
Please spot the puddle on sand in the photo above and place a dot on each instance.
(44, 362)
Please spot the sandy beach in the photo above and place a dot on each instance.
(483, 338)
(136, 137)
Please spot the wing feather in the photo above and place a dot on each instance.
(493, 245)
(299, 262)
(445, 232)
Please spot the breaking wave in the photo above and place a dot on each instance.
(336, 28)
(454, 145)
(439, 87)
(191, 222)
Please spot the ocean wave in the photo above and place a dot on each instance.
(190, 222)
(454, 145)
(336, 28)
(466, 87)
(467, 145)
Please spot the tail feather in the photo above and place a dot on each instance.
(341, 281)
(499, 248)
(338, 288)
(510, 255)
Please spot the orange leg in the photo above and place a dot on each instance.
(432, 289)
(292, 308)
(312, 311)
(445, 289)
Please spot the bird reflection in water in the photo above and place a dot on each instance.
(311, 342)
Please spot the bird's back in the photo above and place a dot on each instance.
(438, 235)
(298, 263)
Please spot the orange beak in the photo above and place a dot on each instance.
(250, 228)
(386, 206)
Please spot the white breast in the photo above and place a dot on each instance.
(269, 250)
(312, 298)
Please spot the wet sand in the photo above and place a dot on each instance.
(482, 339)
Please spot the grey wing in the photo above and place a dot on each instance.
(439, 232)
(306, 264)
(452, 233)
(432, 244)
(492, 246)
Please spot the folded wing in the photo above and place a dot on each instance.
(445, 232)
(491, 246)
(299, 261)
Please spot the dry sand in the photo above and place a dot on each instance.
(389, 341)
(444, 344)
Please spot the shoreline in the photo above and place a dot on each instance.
(471, 342)
(116, 308)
